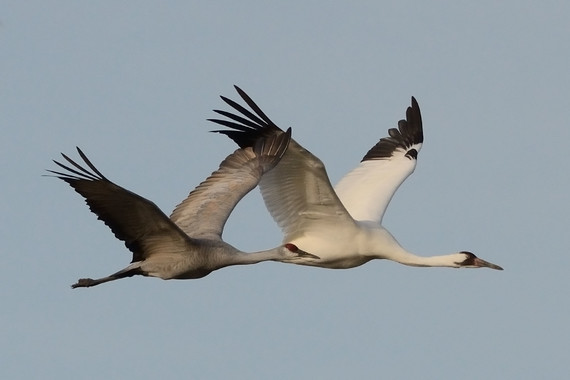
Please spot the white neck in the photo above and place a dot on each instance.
(407, 258)
(378, 236)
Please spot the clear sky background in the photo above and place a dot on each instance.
(133, 82)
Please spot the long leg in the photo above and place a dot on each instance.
(131, 270)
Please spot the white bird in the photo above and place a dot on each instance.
(342, 226)
(187, 245)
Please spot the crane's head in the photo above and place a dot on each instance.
(469, 260)
(293, 251)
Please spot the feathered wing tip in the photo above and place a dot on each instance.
(81, 173)
(130, 217)
(409, 133)
(246, 129)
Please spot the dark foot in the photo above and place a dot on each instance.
(84, 283)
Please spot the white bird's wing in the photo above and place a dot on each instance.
(204, 212)
(297, 192)
(367, 189)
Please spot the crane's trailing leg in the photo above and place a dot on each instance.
(129, 271)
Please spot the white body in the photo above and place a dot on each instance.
(341, 226)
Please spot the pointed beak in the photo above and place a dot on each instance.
(482, 263)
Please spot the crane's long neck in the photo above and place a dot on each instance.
(245, 258)
(392, 250)
(407, 258)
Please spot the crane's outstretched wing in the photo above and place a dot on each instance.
(367, 189)
(204, 212)
(138, 222)
(297, 192)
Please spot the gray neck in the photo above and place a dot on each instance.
(237, 257)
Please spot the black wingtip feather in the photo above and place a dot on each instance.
(243, 140)
(247, 127)
(79, 173)
(408, 133)
(88, 162)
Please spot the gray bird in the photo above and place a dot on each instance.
(187, 245)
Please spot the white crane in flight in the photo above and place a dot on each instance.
(342, 226)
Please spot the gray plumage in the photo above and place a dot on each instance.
(187, 245)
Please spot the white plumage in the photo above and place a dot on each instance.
(341, 226)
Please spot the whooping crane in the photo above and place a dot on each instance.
(341, 226)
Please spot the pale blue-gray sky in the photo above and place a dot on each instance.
(133, 82)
